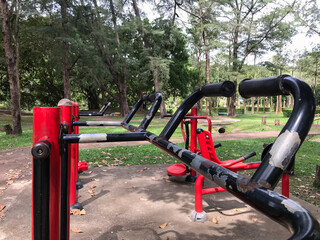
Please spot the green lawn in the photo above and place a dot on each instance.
(252, 122)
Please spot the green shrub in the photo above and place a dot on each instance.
(216, 110)
(267, 109)
(239, 110)
(286, 112)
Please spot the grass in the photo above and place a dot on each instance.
(252, 122)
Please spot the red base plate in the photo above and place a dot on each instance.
(177, 170)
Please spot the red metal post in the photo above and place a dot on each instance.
(46, 126)
(73, 163)
(193, 135)
(285, 185)
(198, 193)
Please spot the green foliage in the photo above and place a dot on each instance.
(286, 112)
(249, 108)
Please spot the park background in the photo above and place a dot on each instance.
(98, 51)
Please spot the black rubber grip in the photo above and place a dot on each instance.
(262, 87)
(150, 97)
(226, 89)
(217, 145)
(249, 155)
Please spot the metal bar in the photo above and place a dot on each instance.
(152, 111)
(280, 156)
(96, 114)
(41, 190)
(65, 186)
(133, 111)
(46, 124)
(226, 89)
(66, 119)
(282, 210)
(104, 137)
(97, 123)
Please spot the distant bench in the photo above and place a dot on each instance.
(113, 114)
(222, 113)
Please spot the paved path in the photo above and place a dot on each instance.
(139, 202)
(132, 202)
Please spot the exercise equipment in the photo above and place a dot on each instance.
(256, 191)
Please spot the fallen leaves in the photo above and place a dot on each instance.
(76, 230)
(166, 180)
(163, 225)
(2, 207)
(91, 192)
(214, 220)
(2, 214)
(77, 212)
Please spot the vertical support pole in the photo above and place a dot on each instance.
(285, 185)
(74, 162)
(46, 174)
(193, 135)
(66, 115)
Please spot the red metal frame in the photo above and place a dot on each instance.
(177, 169)
(46, 125)
(207, 150)
(73, 161)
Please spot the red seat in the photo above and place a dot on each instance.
(177, 170)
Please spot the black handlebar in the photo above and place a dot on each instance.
(281, 154)
(226, 89)
(249, 155)
(149, 98)
(156, 98)
(96, 114)
(263, 87)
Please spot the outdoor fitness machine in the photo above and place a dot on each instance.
(100, 113)
(203, 138)
(257, 191)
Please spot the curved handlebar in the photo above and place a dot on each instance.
(225, 89)
(263, 87)
(280, 155)
(156, 98)
(150, 97)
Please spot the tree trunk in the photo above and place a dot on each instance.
(65, 50)
(11, 53)
(147, 45)
(124, 81)
(232, 105)
(208, 100)
(252, 105)
(277, 105)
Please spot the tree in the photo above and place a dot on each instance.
(248, 26)
(309, 15)
(10, 20)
